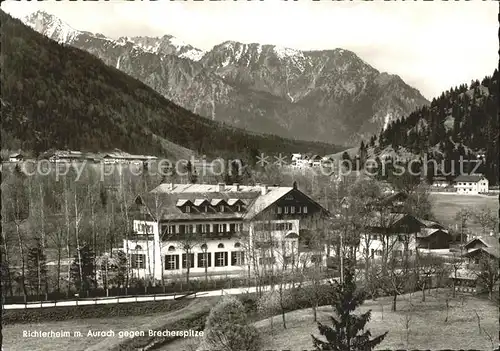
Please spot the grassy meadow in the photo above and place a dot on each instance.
(446, 206)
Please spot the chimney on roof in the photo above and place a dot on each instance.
(295, 184)
(222, 187)
(236, 186)
(263, 189)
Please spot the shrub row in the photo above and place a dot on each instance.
(176, 286)
(62, 313)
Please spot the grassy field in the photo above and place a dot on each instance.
(13, 339)
(427, 326)
(446, 206)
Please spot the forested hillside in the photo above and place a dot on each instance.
(56, 96)
(463, 121)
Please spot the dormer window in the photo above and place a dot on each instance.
(222, 208)
(206, 209)
(238, 208)
(187, 209)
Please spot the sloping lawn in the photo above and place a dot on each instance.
(13, 339)
(427, 326)
(446, 206)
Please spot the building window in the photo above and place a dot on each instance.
(232, 227)
(204, 257)
(143, 228)
(238, 208)
(221, 228)
(220, 246)
(299, 209)
(206, 209)
(189, 229)
(304, 209)
(375, 237)
(188, 209)
(286, 209)
(171, 248)
(170, 229)
(237, 245)
(138, 247)
(237, 258)
(221, 259)
(171, 262)
(137, 260)
(292, 209)
(189, 261)
(222, 208)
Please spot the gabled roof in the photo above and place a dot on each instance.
(215, 202)
(474, 178)
(233, 201)
(489, 241)
(199, 202)
(483, 250)
(162, 200)
(426, 232)
(392, 219)
(431, 224)
(181, 202)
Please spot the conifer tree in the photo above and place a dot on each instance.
(348, 332)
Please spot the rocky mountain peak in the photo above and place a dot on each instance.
(51, 26)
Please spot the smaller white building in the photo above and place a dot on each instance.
(471, 184)
(17, 157)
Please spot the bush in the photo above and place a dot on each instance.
(227, 327)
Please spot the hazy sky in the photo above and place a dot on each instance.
(431, 45)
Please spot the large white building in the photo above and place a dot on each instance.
(471, 184)
(223, 229)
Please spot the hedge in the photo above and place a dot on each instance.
(62, 313)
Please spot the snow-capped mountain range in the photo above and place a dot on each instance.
(329, 95)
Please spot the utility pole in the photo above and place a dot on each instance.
(345, 206)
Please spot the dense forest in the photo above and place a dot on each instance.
(56, 96)
(462, 122)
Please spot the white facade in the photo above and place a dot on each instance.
(226, 256)
(395, 244)
(472, 187)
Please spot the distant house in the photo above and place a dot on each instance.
(124, 157)
(17, 157)
(433, 239)
(471, 184)
(440, 182)
(466, 278)
(480, 246)
(315, 161)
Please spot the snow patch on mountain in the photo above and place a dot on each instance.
(51, 26)
(193, 54)
(295, 57)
